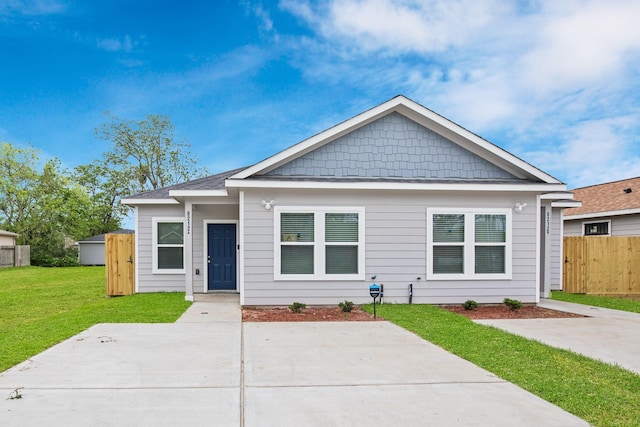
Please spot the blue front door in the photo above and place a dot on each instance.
(221, 257)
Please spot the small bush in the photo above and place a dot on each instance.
(470, 304)
(297, 307)
(513, 304)
(346, 306)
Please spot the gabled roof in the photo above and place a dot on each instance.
(420, 115)
(522, 175)
(611, 198)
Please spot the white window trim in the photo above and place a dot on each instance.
(594, 221)
(469, 244)
(319, 244)
(154, 246)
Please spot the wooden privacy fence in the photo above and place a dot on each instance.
(602, 265)
(119, 264)
(15, 256)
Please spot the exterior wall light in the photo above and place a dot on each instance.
(519, 207)
(268, 205)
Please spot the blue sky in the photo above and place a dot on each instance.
(555, 82)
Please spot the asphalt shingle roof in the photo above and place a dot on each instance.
(212, 182)
(611, 196)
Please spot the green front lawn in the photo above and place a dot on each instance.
(39, 307)
(624, 304)
(602, 394)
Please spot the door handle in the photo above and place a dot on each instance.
(208, 260)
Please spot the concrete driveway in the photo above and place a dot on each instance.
(210, 369)
(612, 336)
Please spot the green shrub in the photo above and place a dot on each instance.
(470, 304)
(346, 306)
(513, 304)
(297, 307)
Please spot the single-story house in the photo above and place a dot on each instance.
(91, 249)
(397, 192)
(7, 238)
(609, 209)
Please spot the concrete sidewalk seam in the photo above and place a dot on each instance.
(375, 384)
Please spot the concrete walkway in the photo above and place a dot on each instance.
(210, 369)
(612, 336)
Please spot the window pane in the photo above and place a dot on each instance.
(596, 229)
(170, 233)
(341, 227)
(296, 227)
(489, 259)
(170, 258)
(448, 259)
(342, 259)
(491, 228)
(296, 259)
(448, 228)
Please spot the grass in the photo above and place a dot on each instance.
(40, 307)
(624, 304)
(602, 394)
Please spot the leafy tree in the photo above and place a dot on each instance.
(104, 186)
(18, 177)
(146, 154)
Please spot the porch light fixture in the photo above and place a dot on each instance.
(268, 205)
(519, 207)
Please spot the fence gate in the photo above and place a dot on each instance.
(602, 265)
(119, 264)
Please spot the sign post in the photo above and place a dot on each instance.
(374, 291)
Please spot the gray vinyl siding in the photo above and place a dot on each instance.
(623, 225)
(392, 146)
(147, 281)
(396, 249)
(203, 213)
(572, 228)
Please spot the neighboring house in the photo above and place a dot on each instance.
(7, 238)
(398, 192)
(91, 250)
(610, 209)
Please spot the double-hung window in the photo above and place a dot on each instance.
(319, 243)
(468, 244)
(168, 245)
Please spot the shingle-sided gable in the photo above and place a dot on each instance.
(447, 152)
(393, 146)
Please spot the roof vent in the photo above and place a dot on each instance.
(627, 190)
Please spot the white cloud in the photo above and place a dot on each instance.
(398, 26)
(581, 43)
(593, 152)
(557, 75)
(124, 44)
(31, 7)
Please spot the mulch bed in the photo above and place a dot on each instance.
(335, 314)
(504, 312)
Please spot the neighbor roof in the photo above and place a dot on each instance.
(8, 233)
(609, 198)
(100, 238)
